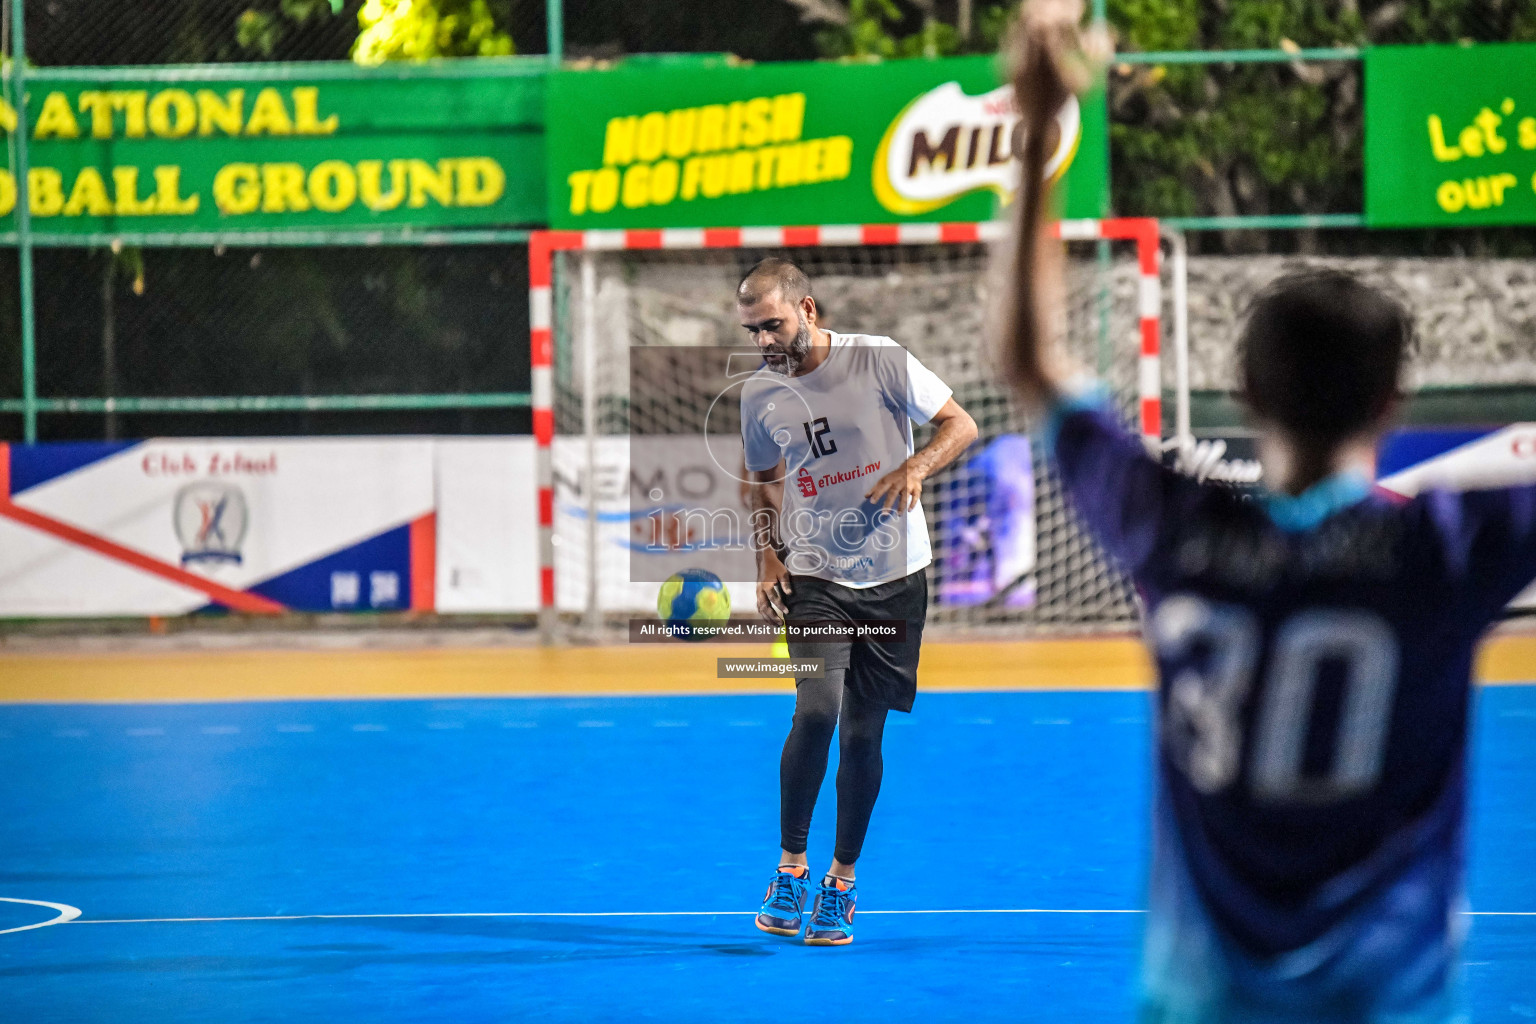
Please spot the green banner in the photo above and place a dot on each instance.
(1450, 135)
(815, 143)
(283, 148)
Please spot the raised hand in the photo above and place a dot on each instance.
(1053, 56)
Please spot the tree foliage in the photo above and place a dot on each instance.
(423, 29)
(914, 28)
(1209, 139)
(1215, 139)
(261, 30)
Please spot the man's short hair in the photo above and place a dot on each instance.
(773, 274)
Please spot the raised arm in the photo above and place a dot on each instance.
(1049, 63)
(1132, 504)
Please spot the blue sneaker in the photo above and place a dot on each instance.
(832, 914)
(784, 901)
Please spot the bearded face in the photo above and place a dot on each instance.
(787, 358)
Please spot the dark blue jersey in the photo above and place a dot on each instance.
(1314, 657)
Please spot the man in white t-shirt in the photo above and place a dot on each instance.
(827, 423)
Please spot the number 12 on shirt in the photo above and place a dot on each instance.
(820, 443)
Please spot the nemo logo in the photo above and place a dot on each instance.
(946, 144)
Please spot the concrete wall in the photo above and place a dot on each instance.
(1476, 318)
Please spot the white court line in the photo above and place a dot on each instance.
(584, 914)
(67, 914)
(535, 913)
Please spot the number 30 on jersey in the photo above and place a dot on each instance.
(1202, 723)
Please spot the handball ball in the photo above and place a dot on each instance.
(695, 599)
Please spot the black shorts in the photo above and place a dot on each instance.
(880, 672)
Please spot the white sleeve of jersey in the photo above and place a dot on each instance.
(926, 393)
(758, 449)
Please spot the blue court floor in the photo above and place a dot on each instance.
(599, 860)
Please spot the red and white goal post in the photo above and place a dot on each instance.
(543, 246)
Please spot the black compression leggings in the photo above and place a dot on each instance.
(822, 706)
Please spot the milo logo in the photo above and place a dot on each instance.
(946, 144)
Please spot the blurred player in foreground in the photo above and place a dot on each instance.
(1314, 646)
(842, 405)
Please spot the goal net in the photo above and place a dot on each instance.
(1008, 555)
